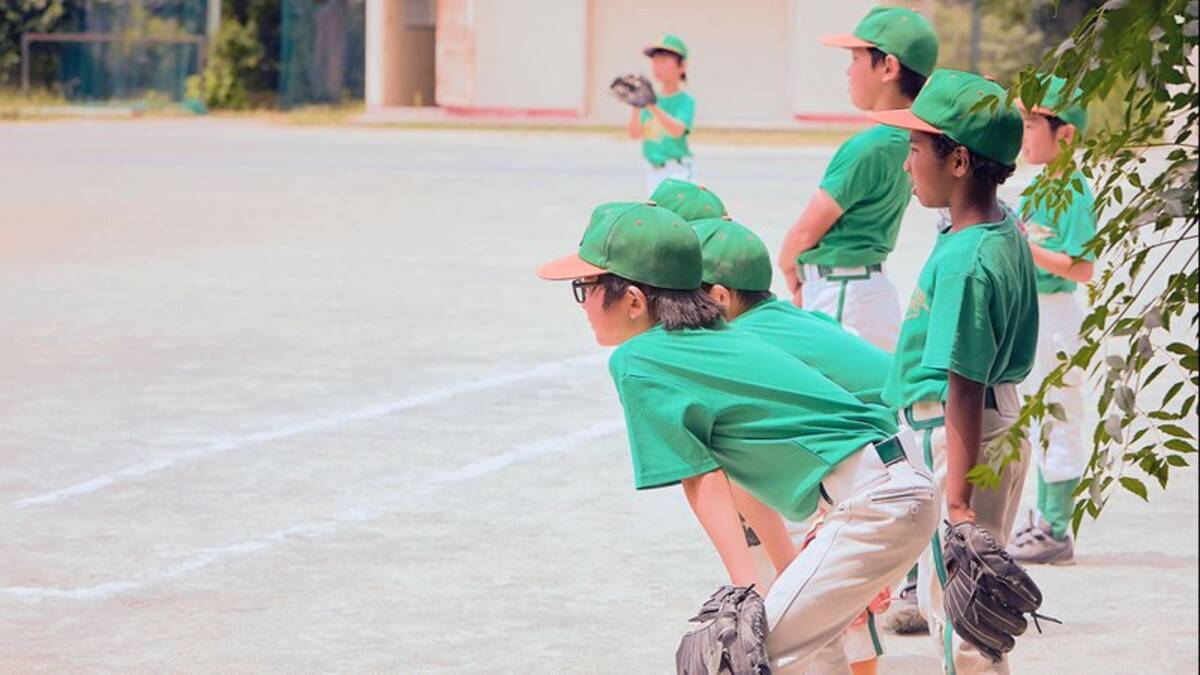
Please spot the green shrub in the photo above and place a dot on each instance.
(236, 55)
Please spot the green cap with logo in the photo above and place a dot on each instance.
(689, 200)
(607, 210)
(734, 257)
(946, 106)
(667, 43)
(1057, 103)
(638, 241)
(898, 31)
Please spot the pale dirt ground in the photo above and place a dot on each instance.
(291, 400)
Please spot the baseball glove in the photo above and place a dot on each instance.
(733, 640)
(635, 90)
(987, 593)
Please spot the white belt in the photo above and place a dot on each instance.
(810, 272)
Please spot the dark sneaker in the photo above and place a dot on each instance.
(903, 617)
(1034, 545)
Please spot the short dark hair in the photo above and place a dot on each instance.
(674, 309)
(1055, 122)
(910, 80)
(989, 172)
(747, 298)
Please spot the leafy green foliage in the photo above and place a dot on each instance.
(235, 56)
(18, 17)
(1138, 340)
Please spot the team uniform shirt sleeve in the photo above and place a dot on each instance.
(1080, 228)
(852, 176)
(685, 113)
(668, 430)
(962, 337)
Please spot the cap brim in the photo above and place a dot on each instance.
(649, 51)
(845, 40)
(904, 119)
(569, 267)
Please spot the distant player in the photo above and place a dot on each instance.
(970, 331)
(833, 257)
(664, 122)
(1056, 242)
(747, 428)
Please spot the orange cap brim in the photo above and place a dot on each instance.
(569, 267)
(905, 119)
(845, 40)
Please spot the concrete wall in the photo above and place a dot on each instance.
(530, 54)
(818, 79)
(737, 65)
(400, 52)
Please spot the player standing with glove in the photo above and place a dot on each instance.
(662, 121)
(968, 339)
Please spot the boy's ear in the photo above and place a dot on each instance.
(960, 161)
(636, 300)
(721, 295)
(1065, 134)
(891, 68)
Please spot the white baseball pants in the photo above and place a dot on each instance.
(864, 302)
(995, 511)
(880, 519)
(1060, 317)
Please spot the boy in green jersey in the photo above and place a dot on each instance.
(663, 126)
(746, 428)
(970, 331)
(833, 256)
(1056, 242)
(737, 274)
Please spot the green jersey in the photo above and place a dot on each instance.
(1065, 234)
(866, 178)
(657, 145)
(974, 311)
(698, 400)
(819, 340)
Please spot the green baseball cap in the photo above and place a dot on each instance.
(638, 241)
(689, 200)
(898, 31)
(1056, 103)
(607, 210)
(733, 255)
(945, 107)
(667, 43)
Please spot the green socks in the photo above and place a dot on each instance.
(1056, 505)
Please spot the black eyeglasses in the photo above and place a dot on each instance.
(579, 288)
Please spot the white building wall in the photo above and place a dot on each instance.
(751, 60)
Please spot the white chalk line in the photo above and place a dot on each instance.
(318, 528)
(315, 425)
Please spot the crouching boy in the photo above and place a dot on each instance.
(745, 427)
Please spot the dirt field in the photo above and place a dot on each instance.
(290, 399)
